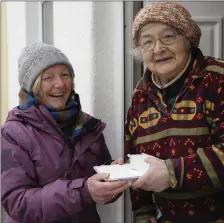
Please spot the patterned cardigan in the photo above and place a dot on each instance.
(189, 137)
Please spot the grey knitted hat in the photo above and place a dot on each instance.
(34, 59)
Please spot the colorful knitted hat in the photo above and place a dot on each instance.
(34, 59)
(170, 13)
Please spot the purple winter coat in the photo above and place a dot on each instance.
(40, 181)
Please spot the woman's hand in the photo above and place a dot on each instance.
(156, 178)
(119, 161)
(103, 191)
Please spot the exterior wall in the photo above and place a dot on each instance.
(16, 38)
(91, 35)
(109, 86)
(4, 63)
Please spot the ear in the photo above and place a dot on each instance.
(188, 43)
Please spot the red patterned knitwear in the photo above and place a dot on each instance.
(189, 136)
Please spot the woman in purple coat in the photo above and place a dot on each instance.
(49, 147)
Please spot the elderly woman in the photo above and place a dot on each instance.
(176, 116)
(49, 147)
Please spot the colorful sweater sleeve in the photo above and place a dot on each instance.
(142, 201)
(205, 168)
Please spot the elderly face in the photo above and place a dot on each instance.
(55, 86)
(166, 60)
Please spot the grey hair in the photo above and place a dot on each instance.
(136, 53)
(36, 90)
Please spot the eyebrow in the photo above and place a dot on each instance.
(46, 73)
(51, 73)
(145, 36)
(164, 30)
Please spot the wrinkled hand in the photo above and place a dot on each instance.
(118, 161)
(102, 192)
(156, 178)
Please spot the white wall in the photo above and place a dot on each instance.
(109, 85)
(16, 41)
(73, 34)
(91, 35)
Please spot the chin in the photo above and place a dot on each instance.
(60, 107)
(166, 71)
(57, 106)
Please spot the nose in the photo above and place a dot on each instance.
(59, 82)
(159, 47)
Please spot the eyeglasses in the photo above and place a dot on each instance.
(166, 39)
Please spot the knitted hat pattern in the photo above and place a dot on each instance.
(170, 13)
(34, 59)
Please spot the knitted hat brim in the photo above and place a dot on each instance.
(40, 65)
(169, 13)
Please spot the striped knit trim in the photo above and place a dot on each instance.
(182, 171)
(209, 168)
(172, 132)
(128, 138)
(215, 68)
(176, 171)
(219, 153)
(170, 167)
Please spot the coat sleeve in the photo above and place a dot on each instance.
(142, 201)
(205, 168)
(21, 197)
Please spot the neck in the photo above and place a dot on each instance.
(164, 82)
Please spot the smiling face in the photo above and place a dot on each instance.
(164, 61)
(55, 86)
